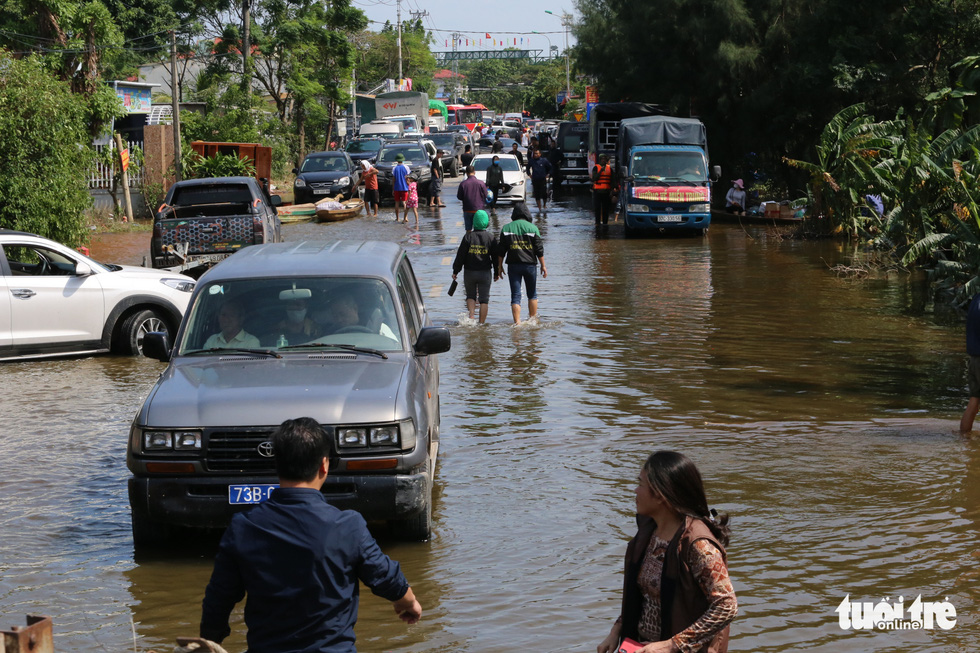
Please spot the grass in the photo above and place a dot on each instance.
(102, 221)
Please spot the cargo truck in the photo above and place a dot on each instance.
(604, 122)
(663, 174)
(401, 103)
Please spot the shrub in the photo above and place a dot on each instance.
(46, 149)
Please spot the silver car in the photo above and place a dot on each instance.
(334, 331)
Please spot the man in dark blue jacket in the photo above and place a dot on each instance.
(539, 169)
(299, 560)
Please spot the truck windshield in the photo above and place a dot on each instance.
(669, 166)
(411, 124)
(310, 311)
(573, 142)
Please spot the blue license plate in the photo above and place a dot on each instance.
(244, 494)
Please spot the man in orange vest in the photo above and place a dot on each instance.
(602, 190)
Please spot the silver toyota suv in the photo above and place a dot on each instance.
(334, 331)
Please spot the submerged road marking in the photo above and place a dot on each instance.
(453, 240)
(459, 224)
(447, 260)
(435, 291)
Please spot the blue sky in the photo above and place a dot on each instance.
(475, 20)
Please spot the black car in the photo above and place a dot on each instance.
(417, 158)
(486, 144)
(452, 144)
(364, 149)
(325, 174)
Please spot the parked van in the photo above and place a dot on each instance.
(383, 128)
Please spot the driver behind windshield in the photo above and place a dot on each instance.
(297, 327)
(344, 315)
(232, 335)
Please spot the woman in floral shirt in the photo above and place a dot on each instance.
(676, 593)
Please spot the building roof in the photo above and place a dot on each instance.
(447, 74)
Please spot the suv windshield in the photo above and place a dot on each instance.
(410, 154)
(367, 145)
(312, 311)
(443, 141)
(324, 164)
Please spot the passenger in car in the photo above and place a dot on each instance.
(232, 335)
(297, 327)
(345, 315)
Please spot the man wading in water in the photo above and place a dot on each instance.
(300, 560)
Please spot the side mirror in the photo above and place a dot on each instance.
(275, 200)
(623, 172)
(432, 340)
(295, 171)
(715, 173)
(82, 269)
(156, 345)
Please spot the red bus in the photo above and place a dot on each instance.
(465, 114)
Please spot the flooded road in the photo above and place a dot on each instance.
(821, 412)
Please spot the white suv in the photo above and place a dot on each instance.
(56, 301)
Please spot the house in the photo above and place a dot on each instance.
(446, 81)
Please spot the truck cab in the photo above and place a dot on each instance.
(665, 184)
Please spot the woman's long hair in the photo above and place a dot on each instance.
(678, 480)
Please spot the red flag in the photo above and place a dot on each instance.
(488, 36)
(515, 40)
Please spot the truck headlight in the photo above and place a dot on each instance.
(383, 436)
(299, 183)
(179, 284)
(161, 440)
(344, 181)
(699, 208)
(158, 441)
(637, 208)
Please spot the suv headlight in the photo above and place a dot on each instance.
(179, 284)
(299, 183)
(382, 436)
(637, 208)
(172, 440)
(343, 181)
(699, 208)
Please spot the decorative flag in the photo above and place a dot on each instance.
(488, 36)
(515, 40)
(467, 41)
(447, 43)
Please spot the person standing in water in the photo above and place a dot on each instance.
(476, 256)
(520, 244)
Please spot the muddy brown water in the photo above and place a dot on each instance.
(821, 412)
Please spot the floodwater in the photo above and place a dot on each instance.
(821, 411)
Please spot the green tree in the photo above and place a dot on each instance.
(43, 188)
(377, 57)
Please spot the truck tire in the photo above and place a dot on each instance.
(454, 170)
(130, 338)
(419, 527)
(147, 534)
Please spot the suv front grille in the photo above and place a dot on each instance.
(237, 450)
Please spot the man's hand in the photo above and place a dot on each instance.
(407, 608)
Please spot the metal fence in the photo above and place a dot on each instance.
(100, 177)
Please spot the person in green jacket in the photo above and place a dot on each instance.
(520, 243)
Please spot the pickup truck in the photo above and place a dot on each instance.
(203, 221)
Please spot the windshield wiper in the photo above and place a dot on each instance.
(234, 350)
(355, 348)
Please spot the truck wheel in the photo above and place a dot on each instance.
(454, 170)
(415, 529)
(130, 338)
(146, 532)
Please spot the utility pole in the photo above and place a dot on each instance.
(566, 22)
(455, 69)
(175, 103)
(247, 51)
(418, 15)
(399, 45)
